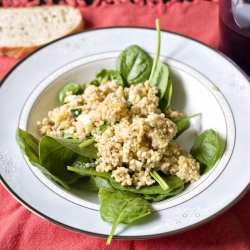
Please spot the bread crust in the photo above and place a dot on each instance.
(20, 52)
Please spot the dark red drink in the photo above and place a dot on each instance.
(235, 41)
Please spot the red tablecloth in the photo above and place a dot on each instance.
(21, 229)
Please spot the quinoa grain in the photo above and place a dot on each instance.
(139, 138)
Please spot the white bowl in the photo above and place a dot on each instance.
(192, 93)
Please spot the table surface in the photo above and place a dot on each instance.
(22, 229)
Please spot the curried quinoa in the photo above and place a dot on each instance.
(138, 139)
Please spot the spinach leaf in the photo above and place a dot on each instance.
(159, 76)
(79, 146)
(69, 136)
(134, 65)
(29, 145)
(158, 49)
(87, 142)
(103, 127)
(159, 180)
(72, 87)
(75, 112)
(51, 176)
(165, 101)
(104, 74)
(183, 124)
(123, 211)
(80, 162)
(172, 182)
(90, 171)
(83, 147)
(160, 80)
(104, 195)
(205, 150)
(55, 157)
(109, 75)
(85, 183)
(160, 197)
(87, 84)
(78, 182)
(106, 184)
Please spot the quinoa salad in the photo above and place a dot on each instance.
(139, 137)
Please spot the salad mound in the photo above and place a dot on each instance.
(138, 137)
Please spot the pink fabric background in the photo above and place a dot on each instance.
(198, 19)
(20, 229)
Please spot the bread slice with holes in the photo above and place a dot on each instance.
(23, 30)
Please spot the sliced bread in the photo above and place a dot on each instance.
(23, 30)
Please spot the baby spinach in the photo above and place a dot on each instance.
(172, 182)
(205, 150)
(104, 74)
(87, 142)
(158, 49)
(134, 65)
(85, 183)
(55, 158)
(103, 127)
(51, 176)
(105, 183)
(160, 80)
(69, 136)
(90, 171)
(159, 76)
(109, 75)
(73, 87)
(29, 145)
(87, 84)
(123, 211)
(164, 103)
(85, 148)
(80, 161)
(160, 197)
(159, 180)
(75, 112)
(182, 124)
(82, 147)
(104, 195)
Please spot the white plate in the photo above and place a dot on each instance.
(204, 81)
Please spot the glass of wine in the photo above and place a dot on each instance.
(234, 21)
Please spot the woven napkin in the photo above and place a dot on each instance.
(21, 229)
(198, 19)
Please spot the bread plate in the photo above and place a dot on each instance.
(204, 81)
